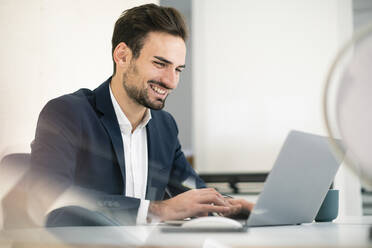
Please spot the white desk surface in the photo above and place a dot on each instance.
(347, 232)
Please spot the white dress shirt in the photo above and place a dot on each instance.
(136, 158)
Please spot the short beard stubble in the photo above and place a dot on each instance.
(140, 95)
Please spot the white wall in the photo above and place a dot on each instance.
(259, 70)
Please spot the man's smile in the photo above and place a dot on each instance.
(158, 90)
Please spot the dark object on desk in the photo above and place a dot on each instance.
(329, 209)
(77, 216)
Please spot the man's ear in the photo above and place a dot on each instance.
(122, 55)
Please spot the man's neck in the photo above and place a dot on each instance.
(132, 110)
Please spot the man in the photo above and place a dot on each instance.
(115, 145)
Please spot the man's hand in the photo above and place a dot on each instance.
(239, 206)
(195, 202)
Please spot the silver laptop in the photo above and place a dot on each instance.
(297, 184)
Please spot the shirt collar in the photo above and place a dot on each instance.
(124, 123)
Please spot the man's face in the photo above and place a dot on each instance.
(155, 73)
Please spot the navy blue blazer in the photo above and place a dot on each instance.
(78, 143)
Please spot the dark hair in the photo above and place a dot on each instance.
(134, 24)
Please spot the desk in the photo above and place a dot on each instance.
(348, 232)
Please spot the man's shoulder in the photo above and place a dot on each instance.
(79, 99)
(72, 107)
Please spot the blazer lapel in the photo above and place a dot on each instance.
(110, 122)
(151, 191)
(156, 176)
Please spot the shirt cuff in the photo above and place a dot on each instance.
(142, 212)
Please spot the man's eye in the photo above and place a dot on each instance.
(159, 64)
(179, 70)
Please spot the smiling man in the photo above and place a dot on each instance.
(115, 144)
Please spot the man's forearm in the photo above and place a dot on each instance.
(156, 211)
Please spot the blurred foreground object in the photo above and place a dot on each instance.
(13, 193)
(348, 102)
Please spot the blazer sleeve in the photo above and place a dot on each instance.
(53, 163)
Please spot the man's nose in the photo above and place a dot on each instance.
(170, 78)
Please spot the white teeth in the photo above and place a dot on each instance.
(158, 90)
